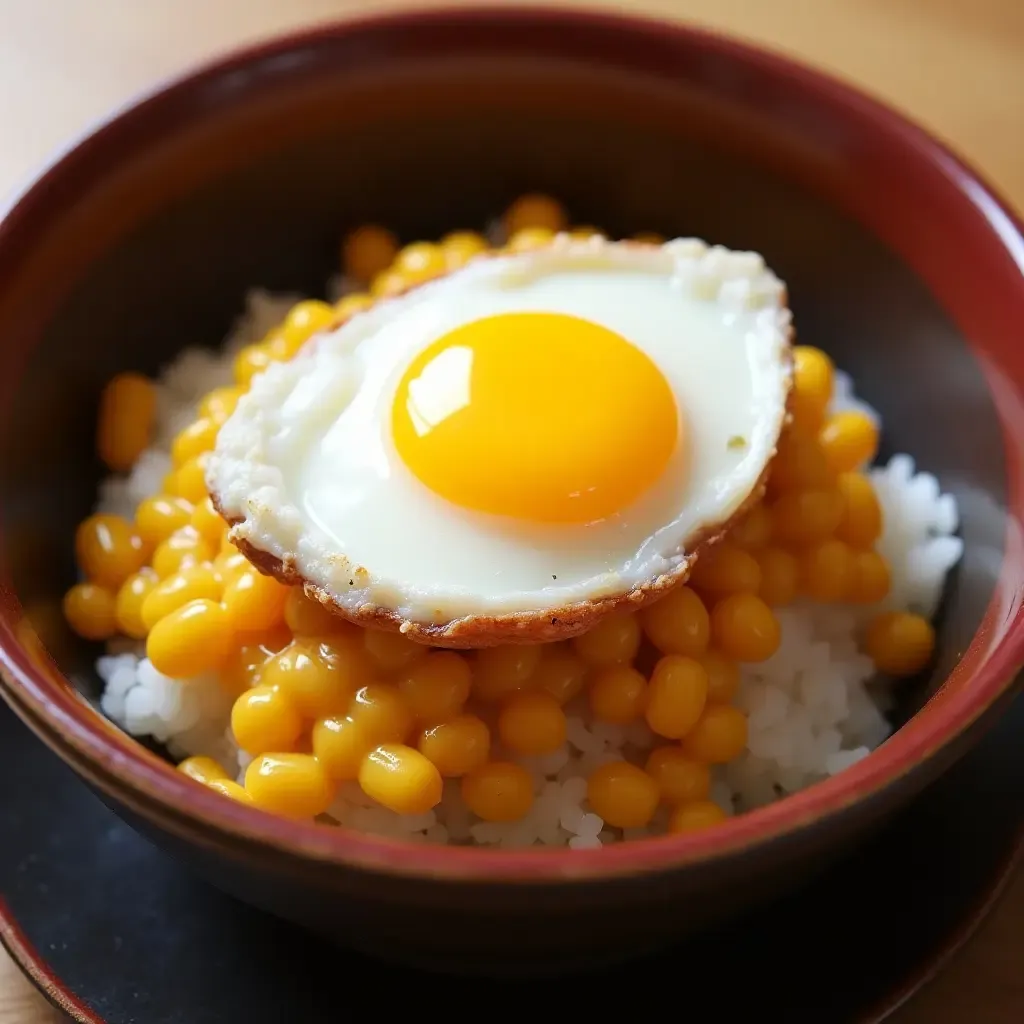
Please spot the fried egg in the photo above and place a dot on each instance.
(514, 450)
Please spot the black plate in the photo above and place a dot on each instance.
(119, 930)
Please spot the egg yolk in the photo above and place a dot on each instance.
(538, 416)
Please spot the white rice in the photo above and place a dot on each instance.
(811, 710)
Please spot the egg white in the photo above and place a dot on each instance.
(307, 471)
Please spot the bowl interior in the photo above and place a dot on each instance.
(252, 179)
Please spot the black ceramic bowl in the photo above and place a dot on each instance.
(145, 236)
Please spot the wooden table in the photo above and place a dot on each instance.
(957, 66)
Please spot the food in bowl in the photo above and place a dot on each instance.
(749, 656)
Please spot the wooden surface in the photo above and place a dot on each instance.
(957, 66)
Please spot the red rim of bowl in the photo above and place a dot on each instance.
(57, 710)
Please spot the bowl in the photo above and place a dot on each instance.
(145, 235)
